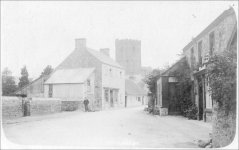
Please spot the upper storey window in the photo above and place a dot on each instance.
(200, 53)
(211, 43)
(192, 57)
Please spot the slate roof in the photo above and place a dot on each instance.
(132, 88)
(103, 58)
(78, 75)
(73, 60)
(173, 67)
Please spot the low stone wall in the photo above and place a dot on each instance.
(11, 107)
(14, 107)
(72, 105)
(40, 106)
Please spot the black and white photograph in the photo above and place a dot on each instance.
(119, 74)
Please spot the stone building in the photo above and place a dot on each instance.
(128, 54)
(109, 83)
(213, 39)
(224, 122)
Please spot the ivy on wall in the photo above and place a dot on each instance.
(221, 72)
(184, 86)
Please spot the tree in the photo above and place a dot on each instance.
(48, 70)
(222, 74)
(8, 84)
(151, 81)
(24, 78)
(184, 90)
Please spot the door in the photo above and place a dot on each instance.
(125, 101)
(172, 98)
(200, 99)
(111, 98)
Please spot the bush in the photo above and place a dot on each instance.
(222, 76)
(191, 112)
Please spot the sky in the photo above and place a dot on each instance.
(41, 33)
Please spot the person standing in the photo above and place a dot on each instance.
(86, 103)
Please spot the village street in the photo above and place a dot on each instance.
(121, 128)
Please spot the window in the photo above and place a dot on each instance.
(106, 93)
(111, 72)
(116, 95)
(139, 99)
(50, 92)
(192, 57)
(211, 43)
(200, 52)
(88, 86)
(88, 82)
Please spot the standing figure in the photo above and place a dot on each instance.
(86, 102)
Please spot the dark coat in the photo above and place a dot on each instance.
(86, 102)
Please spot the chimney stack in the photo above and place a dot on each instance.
(80, 43)
(105, 51)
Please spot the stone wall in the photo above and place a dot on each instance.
(39, 106)
(222, 31)
(72, 105)
(11, 107)
(124, 50)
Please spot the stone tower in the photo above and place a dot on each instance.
(128, 54)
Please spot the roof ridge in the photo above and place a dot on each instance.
(103, 55)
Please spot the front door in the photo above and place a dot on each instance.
(200, 100)
(172, 99)
(125, 101)
(111, 99)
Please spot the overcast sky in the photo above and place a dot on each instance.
(37, 34)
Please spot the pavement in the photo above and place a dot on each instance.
(121, 128)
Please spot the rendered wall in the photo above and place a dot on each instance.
(113, 79)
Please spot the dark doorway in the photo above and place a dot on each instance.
(172, 97)
(111, 99)
(200, 98)
(125, 101)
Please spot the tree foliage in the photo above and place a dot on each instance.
(151, 81)
(184, 87)
(8, 84)
(24, 77)
(221, 73)
(48, 70)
